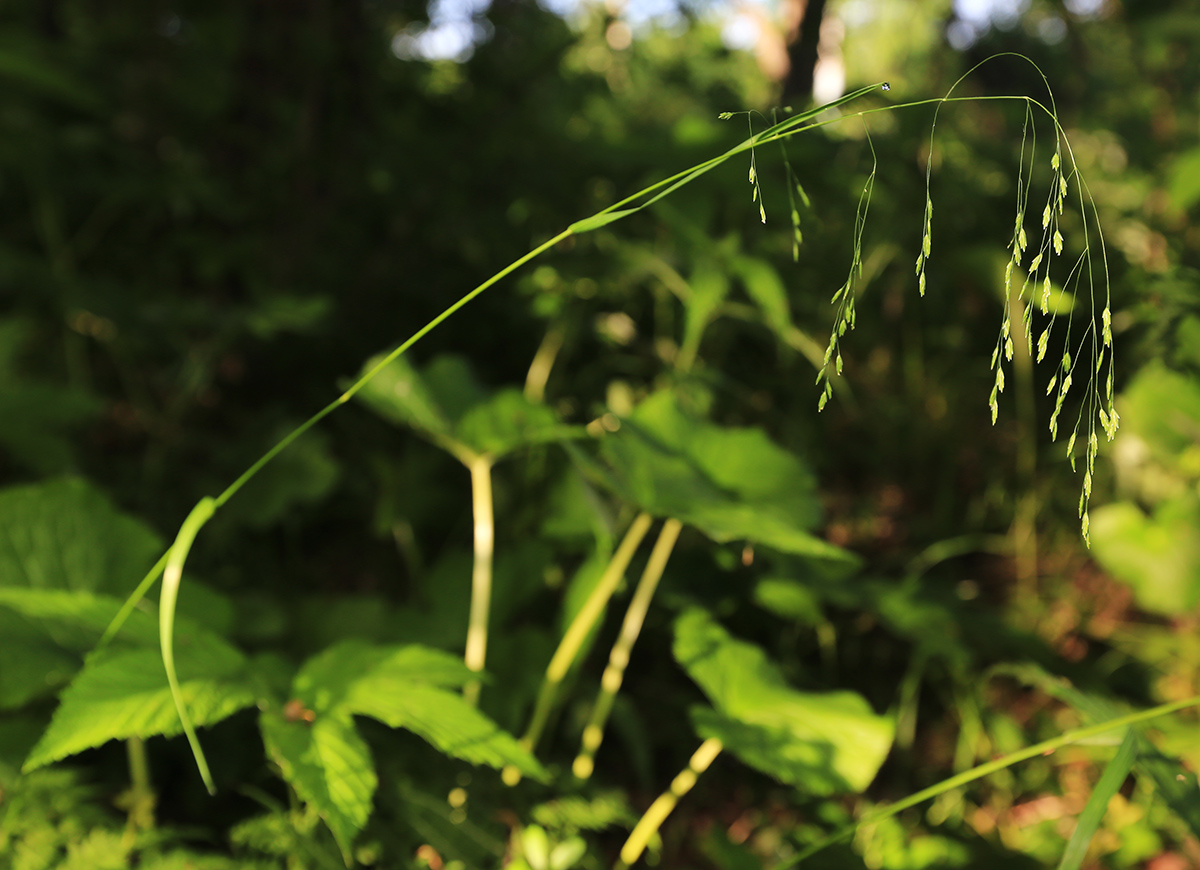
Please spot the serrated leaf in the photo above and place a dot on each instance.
(406, 687)
(442, 718)
(446, 404)
(731, 483)
(823, 743)
(508, 421)
(328, 765)
(124, 693)
(65, 534)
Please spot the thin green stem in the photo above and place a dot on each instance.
(957, 781)
(618, 659)
(141, 789)
(577, 632)
(481, 572)
(658, 811)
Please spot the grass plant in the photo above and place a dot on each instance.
(1027, 277)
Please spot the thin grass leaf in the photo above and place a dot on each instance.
(1097, 805)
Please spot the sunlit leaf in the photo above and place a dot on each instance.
(328, 765)
(124, 693)
(820, 742)
(731, 483)
(447, 405)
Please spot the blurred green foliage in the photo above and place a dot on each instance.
(212, 214)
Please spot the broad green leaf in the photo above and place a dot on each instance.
(44, 634)
(124, 693)
(399, 394)
(1093, 814)
(76, 620)
(325, 681)
(31, 665)
(819, 742)
(508, 421)
(446, 405)
(1157, 556)
(731, 483)
(65, 534)
(328, 765)
(441, 717)
(408, 687)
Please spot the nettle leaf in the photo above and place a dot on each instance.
(509, 421)
(328, 765)
(124, 693)
(65, 534)
(444, 719)
(822, 743)
(313, 738)
(44, 634)
(731, 483)
(447, 406)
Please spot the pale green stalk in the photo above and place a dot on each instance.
(481, 572)
(577, 632)
(618, 659)
(653, 818)
(141, 790)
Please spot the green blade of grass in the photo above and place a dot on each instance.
(1093, 814)
(968, 776)
(172, 575)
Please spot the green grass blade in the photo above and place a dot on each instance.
(1097, 805)
(172, 575)
(968, 776)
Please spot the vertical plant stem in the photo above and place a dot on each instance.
(543, 362)
(653, 818)
(576, 634)
(481, 572)
(618, 659)
(141, 790)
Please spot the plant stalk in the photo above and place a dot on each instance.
(141, 790)
(576, 634)
(481, 572)
(653, 818)
(618, 659)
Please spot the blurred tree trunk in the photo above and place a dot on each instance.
(803, 37)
